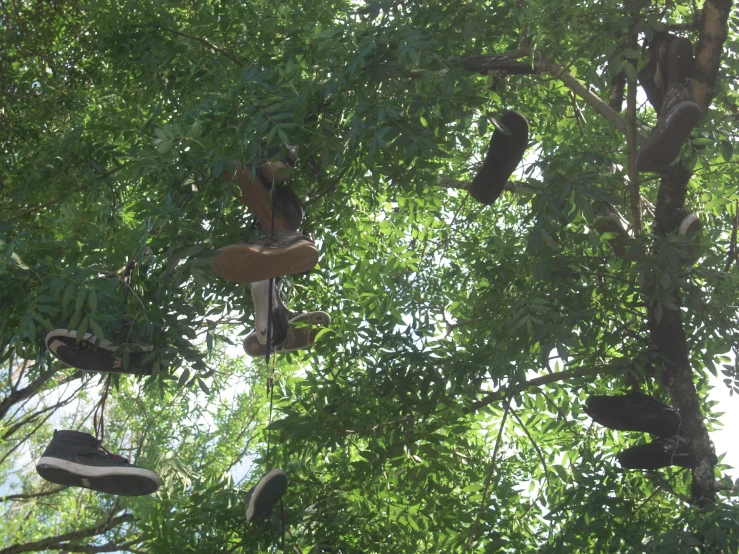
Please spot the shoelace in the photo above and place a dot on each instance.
(111, 454)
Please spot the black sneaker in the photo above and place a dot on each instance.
(262, 498)
(505, 153)
(287, 253)
(663, 452)
(633, 412)
(76, 459)
(90, 354)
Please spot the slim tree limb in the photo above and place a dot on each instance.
(57, 542)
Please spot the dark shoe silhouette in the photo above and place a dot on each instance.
(504, 154)
(261, 499)
(287, 253)
(670, 61)
(277, 167)
(686, 224)
(633, 412)
(91, 354)
(76, 459)
(678, 117)
(289, 205)
(663, 452)
(613, 222)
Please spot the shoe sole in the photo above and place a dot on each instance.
(504, 155)
(659, 152)
(94, 355)
(123, 481)
(689, 226)
(265, 495)
(248, 263)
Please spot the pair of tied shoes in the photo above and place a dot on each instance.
(637, 411)
(667, 81)
(289, 331)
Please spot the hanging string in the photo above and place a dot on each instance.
(98, 416)
(282, 521)
(271, 378)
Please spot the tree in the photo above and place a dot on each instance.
(443, 409)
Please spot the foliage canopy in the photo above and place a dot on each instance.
(443, 410)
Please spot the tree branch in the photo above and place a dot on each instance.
(29, 495)
(203, 41)
(668, 333)
(484, 64)
(19, 395)
(57, 543)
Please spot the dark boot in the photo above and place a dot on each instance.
(670, 61)
(261, 499)
(663, 452)
(678, 117)
(633, 412)
(505, 153)
(76, 459)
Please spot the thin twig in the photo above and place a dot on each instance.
(204, 41)
(489, 476)
(536, 446)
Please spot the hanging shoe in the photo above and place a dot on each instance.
(504, 154)
(635, 411)
(299, 337)
(686, 224)
(670, 61)
(289, 206)
(76, 459)
(91, 354)
(678, 117)
(261, 499)
(614, 222)
(275, 167)
(663, 452)
(287, 253)
(280, 314)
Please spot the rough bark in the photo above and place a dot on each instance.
(668, 333)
